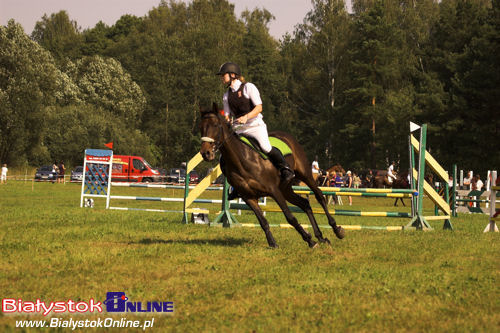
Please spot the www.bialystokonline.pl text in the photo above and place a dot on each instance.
(87, 323)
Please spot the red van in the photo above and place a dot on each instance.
(133, 169)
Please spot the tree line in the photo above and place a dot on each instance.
(345, 84)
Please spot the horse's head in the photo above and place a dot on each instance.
(211, 129)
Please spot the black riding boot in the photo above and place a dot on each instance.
(279, 162)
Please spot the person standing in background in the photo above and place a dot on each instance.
(3, 177)
(349, 184)
(315, 168)
(479, 182)
(62, 169)
(356, 180)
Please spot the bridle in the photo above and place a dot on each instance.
(217, 143)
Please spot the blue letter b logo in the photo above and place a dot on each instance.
(115, 301)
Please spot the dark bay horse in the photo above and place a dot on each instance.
(381, 180)
(254, 177)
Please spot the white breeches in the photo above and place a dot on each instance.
(257, 129)
(390, 177)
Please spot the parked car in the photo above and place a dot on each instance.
(176, 175)
(46, 173)
(194, 177)
(77, 174)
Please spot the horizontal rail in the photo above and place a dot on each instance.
(358, 190)
(124, 197)
(145, 185)
(147, 210)
(362, 194)
(319, 211)
(347, 227)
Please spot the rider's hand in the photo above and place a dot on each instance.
(242, 119)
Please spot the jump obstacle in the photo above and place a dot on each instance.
(97, 176)
(418, 220)
(494, 215)
(97, 182)
(226, 219)
(469, 201)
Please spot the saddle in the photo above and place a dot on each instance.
(275, 142)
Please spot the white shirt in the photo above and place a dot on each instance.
(390, 171)
(315, 167)
(250, 91)
(4, 171)
(479, 184)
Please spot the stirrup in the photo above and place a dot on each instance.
(233, 195)
(287, 175)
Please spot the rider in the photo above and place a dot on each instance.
(390, 172)
(242, 101)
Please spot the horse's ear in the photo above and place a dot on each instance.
(215, 107)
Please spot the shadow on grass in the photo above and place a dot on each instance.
(233, 242)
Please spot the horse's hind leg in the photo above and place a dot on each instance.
(338, 230)
(278, 197)
(396, 202)
(304, 204)
(254, 205)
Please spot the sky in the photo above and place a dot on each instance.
(87, 13)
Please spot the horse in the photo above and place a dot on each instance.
(255, 177)
(322, 179)
(381, 180)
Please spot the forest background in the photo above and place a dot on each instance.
(345, 84)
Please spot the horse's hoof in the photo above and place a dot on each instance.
(273, 246)
(313, 245)
(325, 240)
(339, 232)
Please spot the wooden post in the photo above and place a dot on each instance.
(225, 217)
(492, 227)
(419, 221)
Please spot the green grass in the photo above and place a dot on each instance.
(228, 280)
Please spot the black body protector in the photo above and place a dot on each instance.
(238, 103)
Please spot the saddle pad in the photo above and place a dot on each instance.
(275, 142)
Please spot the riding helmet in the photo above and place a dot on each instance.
(229, 67)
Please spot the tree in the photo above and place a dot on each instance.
(28, 86)
(97, 40)
(59, 35)
(326, 32)
(260, 64)
(467, 66)
(67, 139)
(381, 97)
(104, 83)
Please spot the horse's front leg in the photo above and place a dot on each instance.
(254, 205)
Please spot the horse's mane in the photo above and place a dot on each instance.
(215, 111)
(206, 111)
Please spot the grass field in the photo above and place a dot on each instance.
(228, 280)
